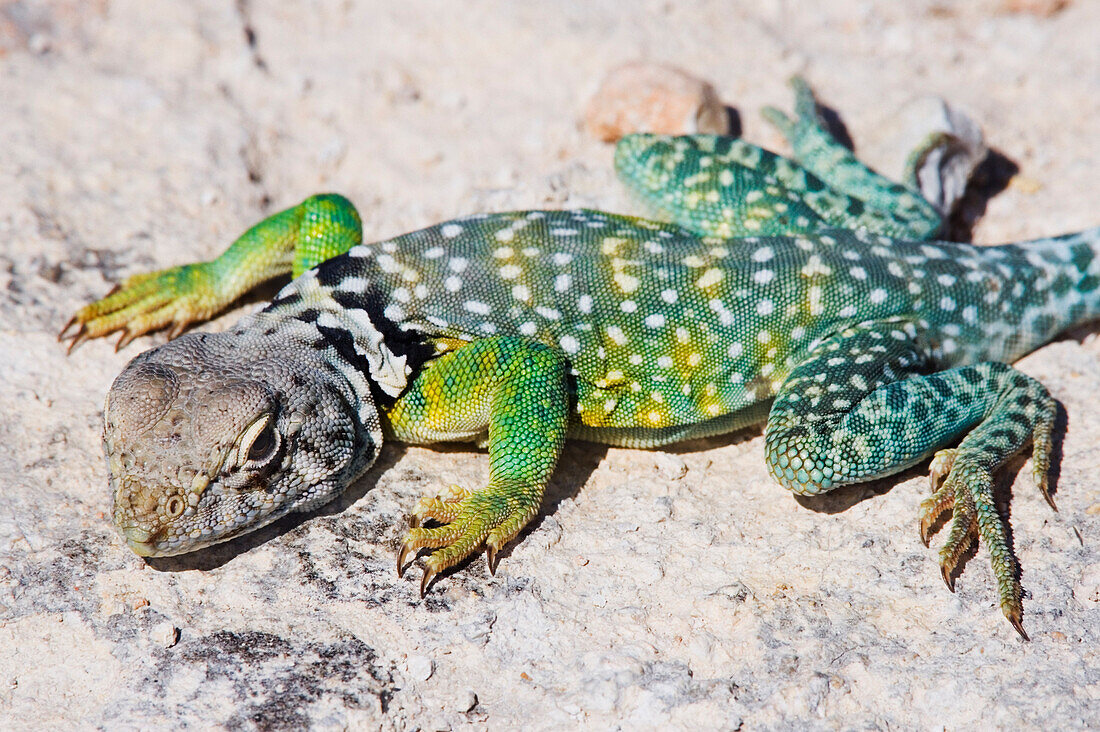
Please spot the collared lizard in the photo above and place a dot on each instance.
(802, 293)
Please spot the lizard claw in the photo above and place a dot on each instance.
(70, 324)
(125, 339)
(80, 337)
(429, 575)
(177, 329)
(402, 555)
(1014, 620)
(948, 576)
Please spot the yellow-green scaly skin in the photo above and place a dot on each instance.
(796, 292)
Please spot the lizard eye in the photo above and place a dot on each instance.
(175, 507)
(259, 441)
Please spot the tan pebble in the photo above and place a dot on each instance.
(647, 97)
(139, 603)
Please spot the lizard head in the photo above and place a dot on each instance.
(206, 440)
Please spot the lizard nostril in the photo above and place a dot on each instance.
(147, 504)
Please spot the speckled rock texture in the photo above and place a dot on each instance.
(679, 588)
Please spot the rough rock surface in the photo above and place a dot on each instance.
(677, 587)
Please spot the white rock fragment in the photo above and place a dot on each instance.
(669, 467)
(419, 668)
(1087, 589)
(165, 634)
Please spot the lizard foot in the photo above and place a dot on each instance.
(805, 110)
(962, 485)
(145, 302)
(491, 517)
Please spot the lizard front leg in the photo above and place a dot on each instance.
(290, 241)
(868, 402)
(516, 393)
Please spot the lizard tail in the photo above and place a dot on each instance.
(1068, 292)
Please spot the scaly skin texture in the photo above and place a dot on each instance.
(779, 295)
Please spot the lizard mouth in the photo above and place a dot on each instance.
(141, 541)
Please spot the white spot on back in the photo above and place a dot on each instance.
(616, 334)
(477, 307)
(763, 254)
(710, 278)
(548, 313)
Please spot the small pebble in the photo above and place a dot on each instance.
(166, 634)
(669, 467)
(419, 667)
(39, 43)
(646, 97)
(470, 701)
(1087, 589)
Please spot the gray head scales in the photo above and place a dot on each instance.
(211, 436)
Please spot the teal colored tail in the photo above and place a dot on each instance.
(1065, 294)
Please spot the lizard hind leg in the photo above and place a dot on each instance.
(1025, 411)
(857, 196)
(889, 413)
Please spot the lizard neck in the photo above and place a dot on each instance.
(345, 321)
